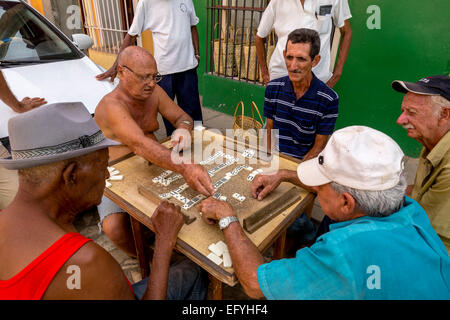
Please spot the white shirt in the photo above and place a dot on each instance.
(284, 16)
(170, 22)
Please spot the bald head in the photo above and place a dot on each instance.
(136, 56)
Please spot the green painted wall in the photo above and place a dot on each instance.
(413, 42)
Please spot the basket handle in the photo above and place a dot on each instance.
(257, 110)
(230, 32)
(222, 31)
(235, 111)
(247, 36)
(214, 29)
(237, 30)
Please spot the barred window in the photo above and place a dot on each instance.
(231, 28)
(107, 22)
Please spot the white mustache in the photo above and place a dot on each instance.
(408, 126)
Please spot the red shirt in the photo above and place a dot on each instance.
(32, 282)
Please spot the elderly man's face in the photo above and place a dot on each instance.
(93, 174)
(298, 62)
(140, 78)
(330, 201)
(418, 117)
(339, 207)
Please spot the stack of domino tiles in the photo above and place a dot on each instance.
(218, 250)
(114, 175)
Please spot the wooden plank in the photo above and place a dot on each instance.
(152, 197)
(274, 208)
(238, 184)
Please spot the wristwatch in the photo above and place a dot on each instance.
(187, 123)
(225, 222)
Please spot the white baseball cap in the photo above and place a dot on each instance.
(358, 157)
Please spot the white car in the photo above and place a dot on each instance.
(38, 60)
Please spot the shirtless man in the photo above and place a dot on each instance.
(129, 115)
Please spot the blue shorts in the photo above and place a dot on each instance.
(302, 229)
(183, 86)
(105, 209)
(187, 281)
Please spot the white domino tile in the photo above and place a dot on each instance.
(214, 258)
(221, 247)
(214, 249)
(227, 263)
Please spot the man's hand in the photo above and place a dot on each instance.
(181, 139)
(198, 179)
(110, 73)
(167, 221)
(213, 210)
(265, 76)
(29, 103)
(264, 184)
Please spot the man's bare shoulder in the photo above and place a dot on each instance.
(109, 111)
(111, 101)
(91, 273)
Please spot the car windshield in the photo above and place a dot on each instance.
(24, 37)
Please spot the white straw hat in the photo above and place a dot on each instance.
(358, 157)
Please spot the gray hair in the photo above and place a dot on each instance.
(376, 203)
(437, 103)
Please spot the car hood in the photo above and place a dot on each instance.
(65, 81)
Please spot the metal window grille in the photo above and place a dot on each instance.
(231, 26)
(107, 22)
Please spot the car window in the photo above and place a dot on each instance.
(25, 37)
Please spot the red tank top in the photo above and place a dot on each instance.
(32, 282)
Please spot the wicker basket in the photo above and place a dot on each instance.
(243, 123)
(225, 54)
(248, 63)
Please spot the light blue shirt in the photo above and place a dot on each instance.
(394, 257)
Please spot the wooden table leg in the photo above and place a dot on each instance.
(140, 250)
(279, 246)
(217, 288)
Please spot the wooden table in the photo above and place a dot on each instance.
(194, 239)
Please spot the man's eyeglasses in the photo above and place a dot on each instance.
(150, 77)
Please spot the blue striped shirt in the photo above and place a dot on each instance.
(299, 120)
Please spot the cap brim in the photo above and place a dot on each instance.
(404, 87)
(12, 164)
(310, 174)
